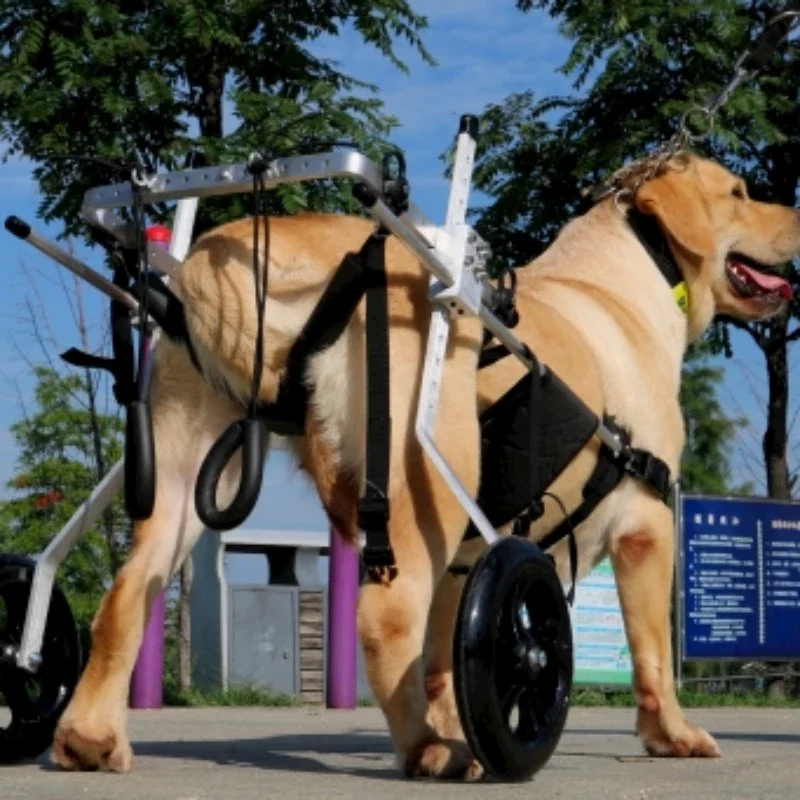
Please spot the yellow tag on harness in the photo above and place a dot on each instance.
(681, 295)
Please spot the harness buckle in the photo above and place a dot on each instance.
(373, 511)
(373, 519)
(650, 469)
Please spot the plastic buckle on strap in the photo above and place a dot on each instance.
(373, 519)
(650, 469)
(373, 512)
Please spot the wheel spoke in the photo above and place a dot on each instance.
(559, 654)
(14, 609)
(509, 697)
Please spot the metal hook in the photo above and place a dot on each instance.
(140, 180)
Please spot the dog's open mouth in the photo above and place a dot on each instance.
(750, 279)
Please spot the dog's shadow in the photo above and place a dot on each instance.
(287, 753)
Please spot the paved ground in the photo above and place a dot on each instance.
(238, 754)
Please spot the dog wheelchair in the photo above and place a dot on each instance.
(512, 647)
(513, 650)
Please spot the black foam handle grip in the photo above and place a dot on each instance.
(247, 434)
(768, 42)
(18, 227)
(140, 462)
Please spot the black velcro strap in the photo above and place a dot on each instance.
(649, 469)
(604, 479)
(122, 342)
(287, 415)
(121, 366)
(373, 519)
(491, 355)
(373, 508)
(78, 358)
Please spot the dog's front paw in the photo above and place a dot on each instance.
(672, 736)
(443, 759)
(81, 744)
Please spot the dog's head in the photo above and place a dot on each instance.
(726, 244)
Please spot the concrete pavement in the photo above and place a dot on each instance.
(238, 754)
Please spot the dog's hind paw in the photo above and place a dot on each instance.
(85, 747)
(451, 760)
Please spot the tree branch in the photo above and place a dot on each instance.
(793, 336)
(757, 337)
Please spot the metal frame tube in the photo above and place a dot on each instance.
(442, 251)
(80, 269)
(28, 657)
(236, 178)
(456, 233)
(85, 516)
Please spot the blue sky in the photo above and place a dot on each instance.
(486, 50)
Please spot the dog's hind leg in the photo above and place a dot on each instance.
(642, 553)
(442, 709)
(188, 416)
(426, 526)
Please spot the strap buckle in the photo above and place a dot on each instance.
(373, 519)
(649, 469)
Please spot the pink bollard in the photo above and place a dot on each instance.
(343, 583)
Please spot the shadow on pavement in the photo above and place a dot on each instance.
(287, 753)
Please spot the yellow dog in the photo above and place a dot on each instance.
(594, 307)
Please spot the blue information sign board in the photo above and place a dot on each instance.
(740, 565)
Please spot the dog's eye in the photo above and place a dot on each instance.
(738, 191)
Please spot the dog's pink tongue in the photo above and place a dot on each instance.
(769, 283)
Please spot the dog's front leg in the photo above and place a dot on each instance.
(187, 418)
(642, 554)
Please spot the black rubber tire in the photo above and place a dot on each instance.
(36, 701)
(490, 669)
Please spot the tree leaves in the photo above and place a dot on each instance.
(151, 81)
(637, 67)
(56, 472)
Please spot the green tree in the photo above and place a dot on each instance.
(56, 471)
(149, 82)
(152, 81)
(635, 72)
(705, 463)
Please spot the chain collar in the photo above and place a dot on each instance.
(698, 122)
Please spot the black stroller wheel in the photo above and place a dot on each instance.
(513, 661)
(35, 700)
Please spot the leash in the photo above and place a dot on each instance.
(697, 123)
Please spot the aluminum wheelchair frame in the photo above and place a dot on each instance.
(453, 253)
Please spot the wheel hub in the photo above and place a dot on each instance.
(536, 660)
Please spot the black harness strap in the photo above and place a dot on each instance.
(608, 473)
(287, 415)
(121, 365)
(373, 508)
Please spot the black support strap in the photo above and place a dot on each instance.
(373, 508)
(608, 473)
(287, 415)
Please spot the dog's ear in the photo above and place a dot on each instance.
(676, 199)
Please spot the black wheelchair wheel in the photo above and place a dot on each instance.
(35, 700)
(513, 661)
